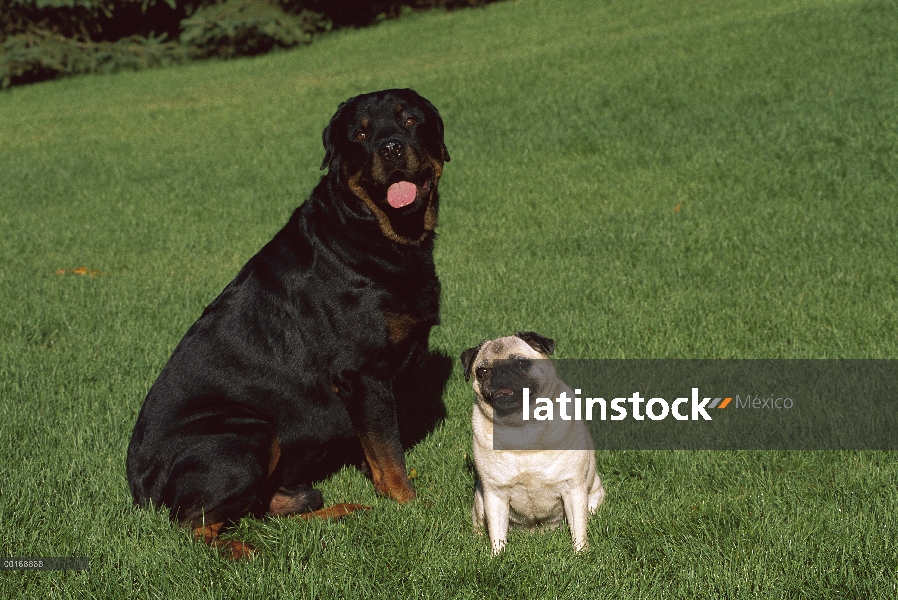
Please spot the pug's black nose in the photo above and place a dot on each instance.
(391, 150)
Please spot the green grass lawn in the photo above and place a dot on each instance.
(636, 179)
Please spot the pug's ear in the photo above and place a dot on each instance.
(330, 133)
(537, 342)
(467, 359)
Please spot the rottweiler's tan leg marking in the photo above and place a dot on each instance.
(275, 456)
(208, 534)
(337, 511)
(387, 466)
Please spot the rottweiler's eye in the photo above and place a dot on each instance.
(481, 372)
(361, 135)
(410, 121)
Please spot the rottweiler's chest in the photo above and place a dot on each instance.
(401, 326)
(399, 319)
(372, 315)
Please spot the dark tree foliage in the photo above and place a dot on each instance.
(43, 39)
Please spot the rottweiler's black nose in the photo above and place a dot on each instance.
(391, 150)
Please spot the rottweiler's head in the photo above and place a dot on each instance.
(387, 148)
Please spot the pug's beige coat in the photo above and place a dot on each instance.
(533, 489)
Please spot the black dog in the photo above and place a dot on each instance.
(291, 372)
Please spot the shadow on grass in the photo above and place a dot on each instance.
(419, 403)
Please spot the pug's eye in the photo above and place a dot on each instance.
(361, 135)
(410, 121)
(522, 364)
(481, 372)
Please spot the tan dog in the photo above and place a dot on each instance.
(533, 489)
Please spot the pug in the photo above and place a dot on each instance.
(537, 488)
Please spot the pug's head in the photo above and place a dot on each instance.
(500, 369)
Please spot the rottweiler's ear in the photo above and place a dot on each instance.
(537, 342)
(435, 115)
(329, 135)
(467, 359)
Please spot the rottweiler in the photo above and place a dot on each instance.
(291, 372)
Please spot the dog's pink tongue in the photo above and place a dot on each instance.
(402, 194)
